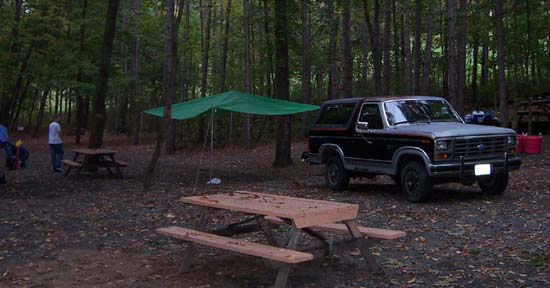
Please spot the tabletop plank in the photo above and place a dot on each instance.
(303, 212)
(100, 151)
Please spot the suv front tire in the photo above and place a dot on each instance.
(415, 182)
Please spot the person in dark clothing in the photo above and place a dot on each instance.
(3, 146)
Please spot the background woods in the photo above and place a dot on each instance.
(61, 57)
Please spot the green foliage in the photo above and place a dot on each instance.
(42, 48)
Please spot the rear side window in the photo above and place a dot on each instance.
(335, 115)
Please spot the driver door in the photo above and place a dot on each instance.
(368, 146)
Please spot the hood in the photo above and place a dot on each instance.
(445, 129)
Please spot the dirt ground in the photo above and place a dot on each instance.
(94, 231)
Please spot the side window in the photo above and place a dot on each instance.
(370, 113)
(335, 115)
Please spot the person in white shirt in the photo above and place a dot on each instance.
(55, 142)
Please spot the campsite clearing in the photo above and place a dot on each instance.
(95, 231)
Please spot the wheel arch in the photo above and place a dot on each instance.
(405, 154)
(328, 150)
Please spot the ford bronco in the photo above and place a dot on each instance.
(419, 141)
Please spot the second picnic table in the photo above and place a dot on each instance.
(312, 217)
(92, 159)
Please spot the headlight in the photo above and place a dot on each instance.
(442, 145)
(511, 140)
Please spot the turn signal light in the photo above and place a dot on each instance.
(443, 156)
(511, 151)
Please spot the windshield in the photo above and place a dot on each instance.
(413, 111)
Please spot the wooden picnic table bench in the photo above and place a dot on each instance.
(312, 217)
(92, 159)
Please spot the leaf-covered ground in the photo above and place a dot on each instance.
(99, 232)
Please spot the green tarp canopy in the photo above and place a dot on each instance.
(234, 101)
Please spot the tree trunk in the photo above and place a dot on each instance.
(451, 48)
(41, 110)
(407, 49)
(205, 10)
(428, 53)
(461, 77)
(268, 51)
(33, 106)
(503, 99)
(96, 135)
(225, 47)
(484, 77)
(306, 64)
(185, 74)
(247, 70)
(168, 78)
(417, 47)
(333, 29)
(365, 45)
(396, 47)
(135, 92)
(387, 40)
(205, 29)
(377, 59)
(475, 57)
(347, 62)
(282, 149)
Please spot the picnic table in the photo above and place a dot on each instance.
(264, 211)
(93, 159)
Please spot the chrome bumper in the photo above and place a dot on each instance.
(465, 167)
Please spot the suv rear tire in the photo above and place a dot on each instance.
(336, 176)
(416, 184)
(494, 184)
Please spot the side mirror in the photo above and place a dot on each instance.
(363, 126)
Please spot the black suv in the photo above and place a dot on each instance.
(419, 141)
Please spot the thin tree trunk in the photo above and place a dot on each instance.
(96, 137)
(168, 73)
(475, 59)
(461, 77)
(365, 45)
(40, 116)
(205, 10)
(347, 62)
(185, 74)
(417, 47)
(396, 47)
(484, 63)
(451, 48)
(503, 99)
(225, 46)
(268, 51)
(387, 45)
(407, 49)
(428, 53)
(205, 28)
(306, 65)
(282, 149)
(135, 92)
(247, 70)
(376, 55)
(31, 112)
(333, 29)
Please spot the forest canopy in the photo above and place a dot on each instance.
(51, 53)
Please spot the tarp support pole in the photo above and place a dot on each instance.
(211, 140)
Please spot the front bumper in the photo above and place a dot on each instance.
(465, 167)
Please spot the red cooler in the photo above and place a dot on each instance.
(520, 143)
(531, 144)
